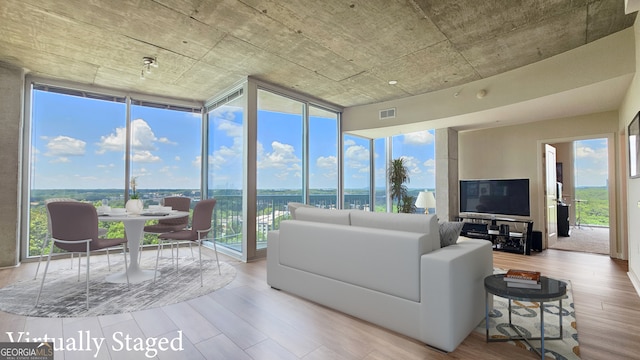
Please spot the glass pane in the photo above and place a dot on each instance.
(165, 155)
(418, 151)
(357, 173)
(225, 177)
(380, 180)
(323, 158)
(592, 182)
(279, 157)
(77, 151)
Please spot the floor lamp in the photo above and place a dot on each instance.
(426, 200)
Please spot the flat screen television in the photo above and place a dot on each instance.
(498, 197)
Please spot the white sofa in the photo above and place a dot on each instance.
(388, 269)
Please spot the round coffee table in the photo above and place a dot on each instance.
(551, 290)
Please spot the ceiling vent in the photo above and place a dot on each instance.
(388, 114)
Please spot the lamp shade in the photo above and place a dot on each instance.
(426, 200)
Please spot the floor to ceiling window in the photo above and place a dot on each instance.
(225, 172)
(89, 146)
(323, 158)
(165, 150)
(418, 151)
(380, 174)
(357, 173)
(279, 160)
(77, 151)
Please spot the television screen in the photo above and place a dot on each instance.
(501, 197)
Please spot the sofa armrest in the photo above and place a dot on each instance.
(273, 239)
(452, 291)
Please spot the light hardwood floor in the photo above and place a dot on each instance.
(249, 320)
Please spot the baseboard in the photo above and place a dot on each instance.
(10, 267)
(634, 281)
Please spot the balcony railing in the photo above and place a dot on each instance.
(227, 217)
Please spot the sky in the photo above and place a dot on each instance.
(78, 143)
(591, 162)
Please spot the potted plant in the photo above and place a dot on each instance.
(398, 176)
(134, 205)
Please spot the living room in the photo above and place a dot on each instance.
(511, 147)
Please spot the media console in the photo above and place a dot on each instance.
(505, 234)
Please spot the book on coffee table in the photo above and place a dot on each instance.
(522, 276)
(520, 285)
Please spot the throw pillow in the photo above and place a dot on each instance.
(449, 232)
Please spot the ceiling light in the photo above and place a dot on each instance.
(482, 93)
(393, 82)
(147, 63)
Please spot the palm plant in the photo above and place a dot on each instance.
(398, 175)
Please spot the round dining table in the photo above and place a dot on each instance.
(134, 232)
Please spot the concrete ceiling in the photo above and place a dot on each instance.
(343, 52)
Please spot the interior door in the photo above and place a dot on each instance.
(551, 203)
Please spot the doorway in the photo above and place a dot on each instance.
(583, 177)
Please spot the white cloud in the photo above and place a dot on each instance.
(591, 153)
(144, 157)
(429, 163)
(413, 164)
(356, 153)
(112, 142)
(329, 162)
(349, 142)
(356, 157)
(231, 129)
(142, 138)
(177, 158)
(164, 140)
(225, 155)
(419, 138)
(226, 112)
(60, 160)
(65, 146)
(283, 156)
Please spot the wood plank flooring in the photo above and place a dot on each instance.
(249, 320)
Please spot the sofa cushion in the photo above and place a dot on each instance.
(416, 223)
(293, 206)
(449, 232)
(338, 217)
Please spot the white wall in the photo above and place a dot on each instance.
(629, 108)
(515, 151)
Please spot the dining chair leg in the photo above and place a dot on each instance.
(108, 261)
(215, 250)
(79, 257)
(72, 260)
(177, 254)
(155, 273)
(45, 273)
(44, 244)
(200, 256)
(87, 276)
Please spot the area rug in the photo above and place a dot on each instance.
(526, 317)
(64, 296)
